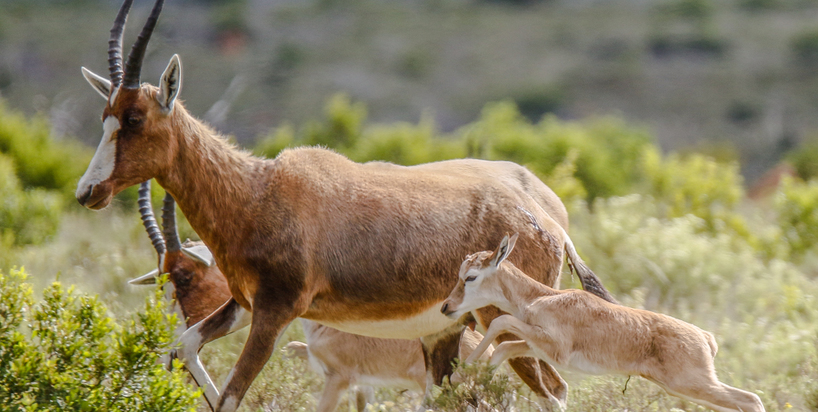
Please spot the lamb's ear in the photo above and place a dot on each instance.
(99, 83)
(146, 279)
(505, 248)
(170, 84)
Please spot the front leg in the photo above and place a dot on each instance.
(508, 350)
(541, 377)
(227, 319)
(272, 312)
(497, 327)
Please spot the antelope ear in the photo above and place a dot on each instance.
(200, 253)
(99, 83)
(146, 279)
(170, 84)
(505, 248)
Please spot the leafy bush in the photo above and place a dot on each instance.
(604, 154)
(74, 356)
(26, 216)
(796, 204)
(698, 185)
(405, 144)
(805, 159)
(607, 151)
(41, 161)
(482, 389)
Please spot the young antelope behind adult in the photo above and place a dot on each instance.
(579, 331)
(198, 288)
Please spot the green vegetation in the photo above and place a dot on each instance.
(66, 353)
(41, 161)
(668, 232)
(26, 216)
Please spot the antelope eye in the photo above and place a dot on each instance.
(470, 278)
(133, 120)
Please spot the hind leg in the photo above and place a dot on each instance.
(717, 396)
(541, 377)
(508, 350)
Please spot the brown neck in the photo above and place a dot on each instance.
(213, 183)
(518, 288)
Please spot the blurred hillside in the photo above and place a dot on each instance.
(731, 78)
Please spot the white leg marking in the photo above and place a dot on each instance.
(102, 164)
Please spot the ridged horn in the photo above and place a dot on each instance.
(115, 45)
(134, 64)
(169, 224)
(148, 219)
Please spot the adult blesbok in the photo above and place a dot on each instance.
(579, 331)
(197, 288)
(312, 234)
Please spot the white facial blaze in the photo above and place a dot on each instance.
(102, 164)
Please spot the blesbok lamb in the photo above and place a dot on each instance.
(197, 288)
(581, 332)
(312, 234)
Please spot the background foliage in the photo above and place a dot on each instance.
(670, 232)
(67, 353)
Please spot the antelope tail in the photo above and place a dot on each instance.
(590, 282)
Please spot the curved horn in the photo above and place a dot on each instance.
(169, 224)
(134, 63)
(148, 219)
(115, 45)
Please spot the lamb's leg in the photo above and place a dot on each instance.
(500, 325)
(334, 386)
(364, 395)
(541, 377)
(509, 349)
(718, 396)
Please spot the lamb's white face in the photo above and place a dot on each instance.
(475, 278)
(475, 288)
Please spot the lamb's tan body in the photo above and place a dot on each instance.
(578, 331)
(346, 360)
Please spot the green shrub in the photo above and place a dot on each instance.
(805, 159)
(796, 204)
(696, 184)
(74, 356)
(26, 216)
(608, 151)
(604, 155)
(41, 160)
(343, 125)
(405, 144)
(482, 389)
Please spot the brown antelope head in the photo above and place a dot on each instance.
(136, 121)
(196, 284)
(473, 290)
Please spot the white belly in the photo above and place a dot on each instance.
(425, 323)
